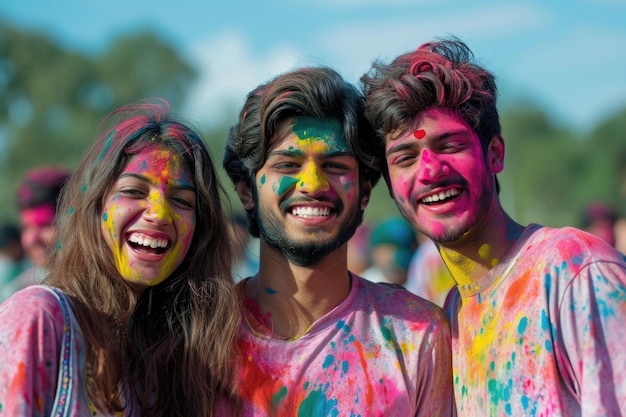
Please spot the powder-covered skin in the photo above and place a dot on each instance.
(543, 334)
(381, 352)
(31, 329)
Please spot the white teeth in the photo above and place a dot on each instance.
(311, 211)
(144, 240)
(441, 196)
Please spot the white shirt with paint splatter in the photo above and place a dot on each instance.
(381, 352)
(544, 334)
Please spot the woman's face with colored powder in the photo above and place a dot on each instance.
(149, 216)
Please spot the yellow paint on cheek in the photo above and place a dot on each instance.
(121, 260)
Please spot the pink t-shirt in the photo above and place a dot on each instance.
(544, 333)
(32, 329)
(381, 352)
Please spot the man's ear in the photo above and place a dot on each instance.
(496, 154)
(245, 194)
(366, 192)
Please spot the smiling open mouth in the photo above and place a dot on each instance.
(147, 244)
(308, 212)
(442, 196)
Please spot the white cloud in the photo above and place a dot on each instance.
(353, 47)
(229, 69)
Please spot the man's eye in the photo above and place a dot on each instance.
(403, 160)
(335, 166)
(452, 146)
(285, 165)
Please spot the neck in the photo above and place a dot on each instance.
(474, 255)
(295, 296)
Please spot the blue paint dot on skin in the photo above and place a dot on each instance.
(523, 323)
(105, 216)
(549, 346)
(270, 290)
(345, 366)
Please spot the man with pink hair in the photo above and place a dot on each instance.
(37, 196)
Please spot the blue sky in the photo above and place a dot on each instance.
(568, 56)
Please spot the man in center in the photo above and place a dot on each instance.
(317, 340)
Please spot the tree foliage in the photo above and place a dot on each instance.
(52, 98)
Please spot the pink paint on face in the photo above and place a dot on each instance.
(441, 182)
(148, 218)
(38, 233)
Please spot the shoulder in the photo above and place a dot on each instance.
(396, 300)
(33, 303)
(572, 245)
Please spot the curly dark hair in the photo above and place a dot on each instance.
(318, 92)
(437, 74)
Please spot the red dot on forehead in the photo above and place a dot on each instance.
(419, 134)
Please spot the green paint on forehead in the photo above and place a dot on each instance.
(327, 130)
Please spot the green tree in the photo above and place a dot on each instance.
(52, 98)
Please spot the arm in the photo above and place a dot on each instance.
(593, 330)
(31, 327)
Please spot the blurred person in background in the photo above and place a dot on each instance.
(246, 248)
(12, 258)
(37, 197)
(392, 244)
(620, 234)
(359, 250)
(599, 219)
(428, 274)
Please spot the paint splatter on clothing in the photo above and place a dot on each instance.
(31, 335)
(543, 334)
(380, 352)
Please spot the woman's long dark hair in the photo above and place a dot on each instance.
(171, 349)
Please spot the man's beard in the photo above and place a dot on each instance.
(456, 232)
(303, 253)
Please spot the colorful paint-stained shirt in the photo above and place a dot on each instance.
(381, 352)
(544, 333)
(33, 353)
